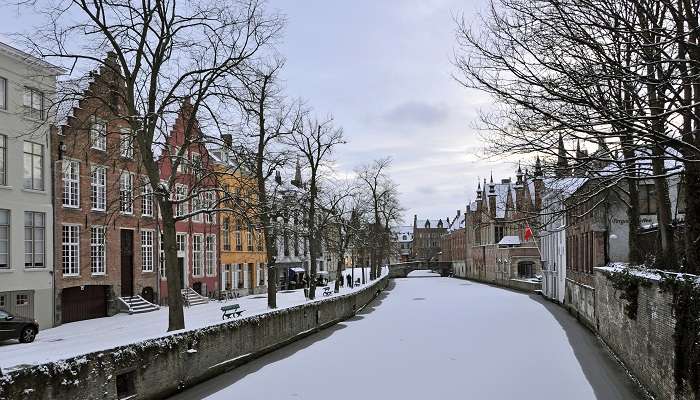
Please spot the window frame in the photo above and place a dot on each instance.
(3, 160)
(147, 247)
(198, 254)
(210, 255)
(146, 197)
(29, 109)
(34, 157)
(7, 227)
(70, 250)
(95, 193)
(33, 240)
(98, 133)
(3, 93)
(98, 250)
(126, 194)
(71, 185)
(126, 147)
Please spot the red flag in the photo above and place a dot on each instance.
(528, 233)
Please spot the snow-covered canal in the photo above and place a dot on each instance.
(436, 338)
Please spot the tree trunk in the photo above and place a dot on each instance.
(176, 317)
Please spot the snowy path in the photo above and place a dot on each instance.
(436, 338)
(98, 334)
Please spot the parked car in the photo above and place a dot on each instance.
(16, 327)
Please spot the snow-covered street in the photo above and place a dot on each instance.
(436, 338)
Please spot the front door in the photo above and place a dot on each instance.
(127, 255)
(181, 268)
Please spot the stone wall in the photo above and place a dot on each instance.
(645, 345)
(580, 300)
(159, 367)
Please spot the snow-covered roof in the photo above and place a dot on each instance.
(509, 241)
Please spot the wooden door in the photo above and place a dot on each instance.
(127, 265)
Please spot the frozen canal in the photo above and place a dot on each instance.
(436, 338)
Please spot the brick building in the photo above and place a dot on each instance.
(194, 186)
(496, 223)
(426, 238)
(453, 243)
(402, 238)
(106, 228)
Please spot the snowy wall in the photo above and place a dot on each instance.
(645, 344)
(580, 300)
(156, 368)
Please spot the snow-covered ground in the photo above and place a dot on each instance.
(83, 337)
(436, 338)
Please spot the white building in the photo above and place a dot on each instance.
(27, 85)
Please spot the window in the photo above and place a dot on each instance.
(126, 148)
(209, 204)
(22, 300)
(161, 262)
(34, 239)
(3, 93)
(98, 134)
(70, 250)
(196, 164)
(147, 250)
(681, 196)
(180, 195)
(647, 199)
(260, 239)
(261, 274)
(181, 241)
(33, 103)
(211, 254)
(225, 233)
(4, 238)
(2, 304)
(97, 250)
(197, 256)
(71, 184)
(146, 198)
(196, 207)
(126, 189)
(98, 186)
(33, 166)
(3, 160)
(239, 243)
(249, 237)
(499, 231)
(240, 275)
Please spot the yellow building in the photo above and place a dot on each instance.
(241, 245)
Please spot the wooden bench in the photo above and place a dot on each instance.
(327, 291)
(234, 310)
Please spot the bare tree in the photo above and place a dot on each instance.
(167, 55)
(315, 143)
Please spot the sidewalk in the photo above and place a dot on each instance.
(88, 336)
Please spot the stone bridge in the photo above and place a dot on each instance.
(401, 270)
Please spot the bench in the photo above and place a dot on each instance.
(327, 291)
(357, 282)
(234, 310)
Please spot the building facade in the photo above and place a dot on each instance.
(453, 244)
(27, 87)
(403, 244)
(197, 231)
(426, 239)
(106, 221)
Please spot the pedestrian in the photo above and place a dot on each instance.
(349, 280)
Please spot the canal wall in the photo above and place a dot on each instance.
(157, 368)
(579, 299)
(641, 330)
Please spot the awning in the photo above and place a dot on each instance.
(298, 269)
(321, 272)
(509, 241)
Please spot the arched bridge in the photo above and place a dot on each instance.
(401, 270)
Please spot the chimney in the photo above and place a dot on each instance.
(492, 198)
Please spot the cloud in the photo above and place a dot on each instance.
(416, 113)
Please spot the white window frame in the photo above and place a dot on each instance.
(98, 250)
(70, 250)
(180, 194)
(161, 260)
(181, 245)
(146, 197)
(98, 134)
(126, 193)
(197, 254)
(208, 203)
(35, 240)
(35, 156)
(197, 208)
(3, 93)
(71, 183)
(5, 238)
(3, 160)
(98, 188)
(147, 243)
(126, 143)
(210, 255)
(33, 103)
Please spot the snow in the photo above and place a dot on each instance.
(509, 241)
(436, 338)
(82, 337)
(647, 273)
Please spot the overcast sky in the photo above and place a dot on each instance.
(383, 69)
